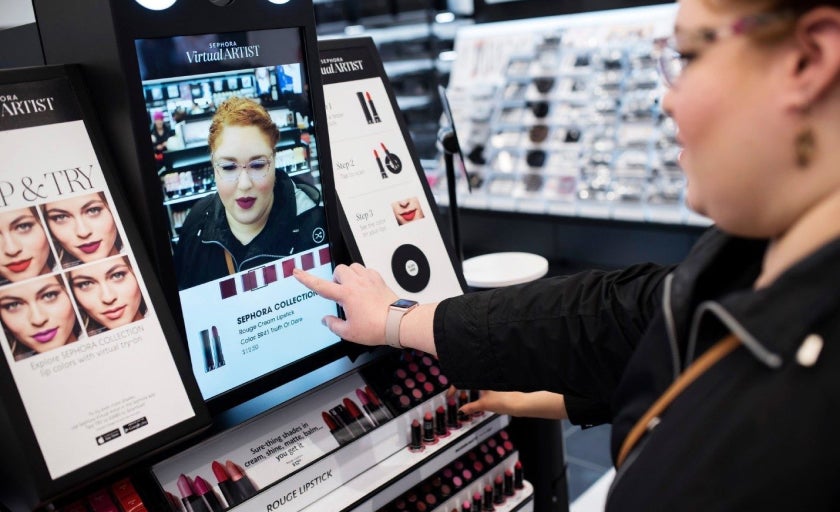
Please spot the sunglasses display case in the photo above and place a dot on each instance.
(566, 118)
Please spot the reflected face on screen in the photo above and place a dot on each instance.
(38, 313)
(108, 292)
(24, 249)
(83, 226)
(244, 164)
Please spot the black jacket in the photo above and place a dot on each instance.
(758, 431)
(205, 236)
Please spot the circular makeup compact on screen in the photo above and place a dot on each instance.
(411, 268)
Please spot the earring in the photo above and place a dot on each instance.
(805, 146)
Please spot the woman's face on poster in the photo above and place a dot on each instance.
(84, 226)
(38, 313)
(108, 292)
(24, 249)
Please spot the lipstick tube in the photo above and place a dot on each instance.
(339, 432)
(429, 429)
(416, 443)
(452, 420)
(355, 428)
(366, 406)
(205, 492)
(361, 97)
(518, 476)
(229, 490)
(498, 494)
(380, 409)
(240, 480)
(488, 498)
(379, 163)
(191, 501)
(463, 399)
(372, 108)
(440, 422)
(208, 351)
(476, 502)
(354, 412)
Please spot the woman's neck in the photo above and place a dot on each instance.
(814, 229)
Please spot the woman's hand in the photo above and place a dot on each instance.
(539, 404)
(364, 296)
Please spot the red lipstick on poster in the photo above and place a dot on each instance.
(240, 480)
(217, 345)
(366, 405)
(341, 434)
(361, 97)
(191, 502)
(342, 415)
(379, 163)
(372, 108)
(357, 415)
(229, 490)
(204, 491)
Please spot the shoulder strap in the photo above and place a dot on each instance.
(697, 368)
(229, 261)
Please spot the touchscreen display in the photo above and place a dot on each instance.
(231, 131)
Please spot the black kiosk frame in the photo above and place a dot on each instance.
(103, 36)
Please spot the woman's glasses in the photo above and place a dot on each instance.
(256, 169)
(672, 63)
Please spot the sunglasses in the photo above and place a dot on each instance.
(543, 83)
(539, 108)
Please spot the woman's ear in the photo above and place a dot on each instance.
(815, 71)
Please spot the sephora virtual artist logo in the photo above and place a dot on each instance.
(335, 65)
(11, 106)
(223, 50)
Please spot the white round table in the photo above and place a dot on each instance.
(504, 269)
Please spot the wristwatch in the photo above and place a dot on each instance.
(396, 312)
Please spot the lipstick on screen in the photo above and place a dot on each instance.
(217, 345)
(354, 412)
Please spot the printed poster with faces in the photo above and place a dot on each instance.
(80, 336)
(382, 190)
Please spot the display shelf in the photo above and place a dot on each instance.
(399, 472)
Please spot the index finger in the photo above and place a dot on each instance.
(322, 287)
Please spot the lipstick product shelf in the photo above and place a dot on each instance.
(318, 444)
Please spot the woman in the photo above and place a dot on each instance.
(83, 227)
(108, 294)
(161, 132)
(37, 316)
(753, 311)
(24, 248)
(258, 214)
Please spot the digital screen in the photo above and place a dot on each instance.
(236, 158)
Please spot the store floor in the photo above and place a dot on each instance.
(587, 460)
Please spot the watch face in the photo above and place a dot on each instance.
(404, 303)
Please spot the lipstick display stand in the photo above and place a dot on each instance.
(304, 455)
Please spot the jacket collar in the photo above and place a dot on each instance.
(712, 294)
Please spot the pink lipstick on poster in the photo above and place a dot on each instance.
(191, 502)
(205, 492)
(366, 406)
(240, 480)
(356, 414)
(372, 108)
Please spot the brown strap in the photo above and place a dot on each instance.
(229, 262)
(697, 368)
